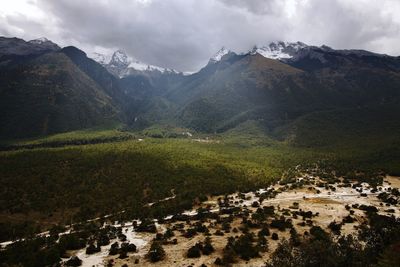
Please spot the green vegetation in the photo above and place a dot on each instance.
(381, 237)
(79, 182)
(156, 252)
(345, 128)
(76, 176)
(92, 135)
(42, 187)
(50, 94)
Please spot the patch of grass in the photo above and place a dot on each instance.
(86, 134)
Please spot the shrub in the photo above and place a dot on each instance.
(156, 252)
(194, 252)
(91, 249)
(218, 261)
(114, 249)
(74, 261)
(274, 236)
(335, 227)
(128, 247)
(208, 247)
(318, 233)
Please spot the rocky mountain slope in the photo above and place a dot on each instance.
(42, 91)
(279, 83)
(19, 47)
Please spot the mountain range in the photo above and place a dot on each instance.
(283, 88)
(122, 65)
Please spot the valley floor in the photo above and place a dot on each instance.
(75, 179)
(326, 205)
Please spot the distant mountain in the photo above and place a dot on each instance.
(108, 83)
(144, 86)
(278, 83)
(47, 92)
(281, 86)
(218, 56)
(45, 44)
(121, 65)
(275, 50)
(279, 50)
(294, 51)
(100, 58)
(19, 47)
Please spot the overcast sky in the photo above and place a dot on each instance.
(183, 34)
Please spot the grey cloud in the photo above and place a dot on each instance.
(183, 34)
(256, 6)
(343, 25)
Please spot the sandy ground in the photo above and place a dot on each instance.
(330, 205)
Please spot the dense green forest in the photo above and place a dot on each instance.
(43, 186)
(53, 181)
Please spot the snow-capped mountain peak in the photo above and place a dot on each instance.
(44, 43)
(17, 46)
(100, 58)
(120, 64)
(276, 50)
(40, 40)
(279, 50)
(217, 57)
(120, 59)
(137, 65)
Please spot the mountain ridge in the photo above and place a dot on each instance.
(274, 85)
(122, 65)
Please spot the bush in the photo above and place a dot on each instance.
(228, 256)
(208, 247)
(242, 247)
(255, 204)
(219, 233)
(91, 249)
(335, 227)
(283, 256)
(74, 261)
(348, 219)
(114, 249)
(264, 231)
(122, 254)
(147, 225)
(274, 236)
(294, 238)
(194, 252)
(156, 252)
(262, 243)
(318, 233)
(128, 247)
(281, 224)
(103, 240)
(218, 261)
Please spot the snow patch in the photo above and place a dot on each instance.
(120, 59)
(125, 65)
(279, 50)
(100, 58)
(40, 40)
(217, 57)
(137, 65)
